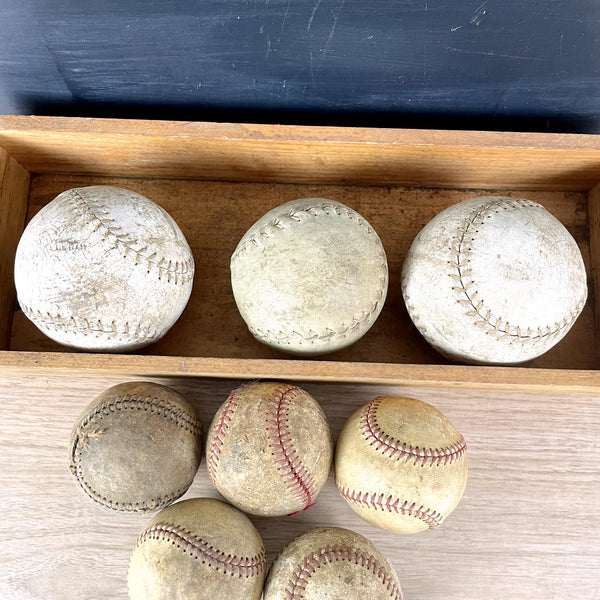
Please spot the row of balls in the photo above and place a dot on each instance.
(205, 549)
(492, 279)
(399, 462)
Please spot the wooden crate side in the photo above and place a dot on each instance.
(14, 191)
(458, 377)
(248, 131)
(594, 278)
(241, 152)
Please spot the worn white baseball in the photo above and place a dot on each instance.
(198, 549)
(269, 449)
(331, 563)
(310, 276)
(400, 464)
(494, 280)
(102, 268)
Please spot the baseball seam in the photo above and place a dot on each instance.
(295, 474)
(89, 327)
(469, 296)
(179, 417)
(330, 554)
(177, 272)
(200, 549)
(218, 433)
(379, 501)
(389, 446)
(285, 337)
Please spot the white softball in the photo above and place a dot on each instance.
(494, 280)
(400, 464)
(331, 563)
(310, 277)
(102, 268)
(269, 449)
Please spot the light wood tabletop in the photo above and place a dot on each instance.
(528, 525)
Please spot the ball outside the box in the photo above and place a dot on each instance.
(198, 549)
(331, 562)
(400, 464)
(136, 447)
(269, 449)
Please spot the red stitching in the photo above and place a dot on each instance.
(330, 554)
(217, 437)
(299, 479)
(391, 504)
(200, 549)
(391, 447)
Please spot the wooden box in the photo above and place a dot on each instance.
(528, 524)
(218, 179)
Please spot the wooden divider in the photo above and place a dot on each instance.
(14, 189)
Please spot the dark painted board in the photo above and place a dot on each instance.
(493, 64)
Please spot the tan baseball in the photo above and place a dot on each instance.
(198, 549)
(331, 563)
(102, 268)
(494, 280)
(400, 464)
(310, 277)
(136, 447)
(269, 449)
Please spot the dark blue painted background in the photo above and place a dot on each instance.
(495, 64)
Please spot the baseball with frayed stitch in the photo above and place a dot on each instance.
(198, 549)
(136, 447)
(331, 563)
(269, 449)
(400, 464)
(104, 269)
(494, 280)
(310, 277)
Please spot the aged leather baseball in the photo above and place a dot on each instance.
(136, 447)
(269, 449)
(494, 280)
(331, 563)
(400, 464)
(309, 277)
(102, 268)
(198, 549)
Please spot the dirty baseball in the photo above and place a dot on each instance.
(269, 449)
(400, 464)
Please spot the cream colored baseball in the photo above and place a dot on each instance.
(494, 280)
(400, 464)
(269, 449)
(136, 447)
(198, 549)
(309, 277)
(331, 563)
(104, 269)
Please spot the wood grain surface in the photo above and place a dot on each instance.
(527, 527)
(302, 154)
